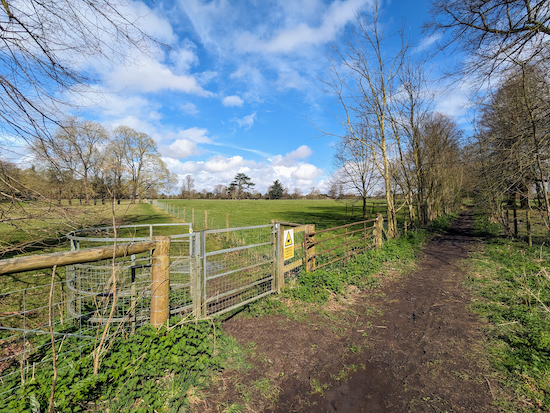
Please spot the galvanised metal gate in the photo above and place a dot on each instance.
(211, 272)
(237, 266)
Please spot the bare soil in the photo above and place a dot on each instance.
(412, 346)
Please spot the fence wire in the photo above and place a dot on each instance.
(238, 266)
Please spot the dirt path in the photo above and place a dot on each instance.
(422, 353)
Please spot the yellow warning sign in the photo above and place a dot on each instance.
(289, 244)
(289, 241)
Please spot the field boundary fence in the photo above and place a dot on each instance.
(148, 273)
(328, 246)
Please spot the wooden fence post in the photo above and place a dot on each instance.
(205, 219)
(160, 286)
(309, 262)
(379, 226)
(347, 243)
(515, 223)
(528, 216)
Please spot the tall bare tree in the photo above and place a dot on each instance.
(513, 141)
(364, 77)
(188, 187)
(355, 170)
(141, 160)
(75, 149)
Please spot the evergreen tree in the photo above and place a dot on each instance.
(240, 183)
(276, 190)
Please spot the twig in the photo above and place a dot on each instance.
(505, 324)
(490, 388)
(52, 338)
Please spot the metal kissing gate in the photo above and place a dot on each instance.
(237, 266)
(210, 272)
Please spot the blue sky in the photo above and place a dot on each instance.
(239, 89)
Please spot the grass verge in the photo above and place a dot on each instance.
(511, 283)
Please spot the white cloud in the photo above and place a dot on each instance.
(220, 169)
(183, 148)
(334, 19)
(275, 45)
(150, 21)
(189, 108)
(194, 134)
(153, 76)
(307, 171)
(185, 57)
(427, 42)
(290, 158)
(233, 100)
(247, 121)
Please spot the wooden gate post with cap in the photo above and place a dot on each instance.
(160, 285)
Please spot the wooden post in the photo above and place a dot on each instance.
(507, 221)
(379, 226)
(205, 219)
(160, 286)
(528, 216)
(365, 235)
(347, 243)
(515, 223)
(309, 252)
(227, 221)
(184, 214)
(193, 216)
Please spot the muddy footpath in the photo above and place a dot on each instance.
(412, 346)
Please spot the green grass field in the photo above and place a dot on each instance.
(324, 213)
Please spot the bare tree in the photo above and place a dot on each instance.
(44, 46)
(363, 78)
(355, 170)
(513, 142)
(141, 160)
(220, 191)
(75, 149)
(188, 187)
(494, 33)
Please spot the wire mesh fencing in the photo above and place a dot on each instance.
(238, 266)
(210, 272)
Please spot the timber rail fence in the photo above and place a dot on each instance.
(145, 278)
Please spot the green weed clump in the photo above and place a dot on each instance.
(442, 223)
(150, 370)
(515, 285)
(361, 271)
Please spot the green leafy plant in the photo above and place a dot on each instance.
(144, 372)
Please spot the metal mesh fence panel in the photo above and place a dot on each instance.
(238, 266)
